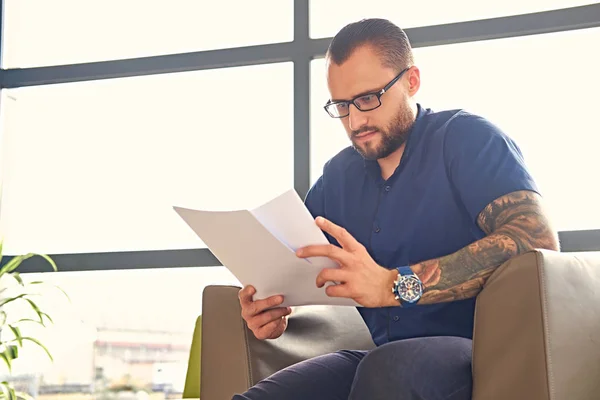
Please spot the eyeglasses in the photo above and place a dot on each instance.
(364, 102)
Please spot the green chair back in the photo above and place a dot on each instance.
(191, 389)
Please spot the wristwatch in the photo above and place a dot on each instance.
(407, 288)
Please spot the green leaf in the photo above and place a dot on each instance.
(34, 340)
(47, 316)
(5, 389)
(17, 277)
(28, 320)
(37, 310)
(9, 354)
(56, 286)
(23, 396)
(2, 318)
(50, 260)
(17, 332)
(17, 260)
(7, 360)
(8, 391)
(14, 263)
(11, 299)
(65, 293)
(12, 351)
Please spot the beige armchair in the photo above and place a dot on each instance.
(537, 334)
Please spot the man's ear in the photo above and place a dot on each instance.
(414, 80)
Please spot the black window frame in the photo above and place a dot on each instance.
(301, 51)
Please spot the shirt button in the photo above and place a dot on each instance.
(377, 229)
(396, 318)
(387, 188)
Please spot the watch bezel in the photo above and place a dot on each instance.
(401, 295)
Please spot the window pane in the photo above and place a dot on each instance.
(97, 166)
(541, 90)
(139, 334)
(71, 31)
(327, 17)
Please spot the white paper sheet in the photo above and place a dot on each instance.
(258, 247)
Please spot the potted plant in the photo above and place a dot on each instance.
(12, 290)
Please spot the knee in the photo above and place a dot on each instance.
(412, 365)
(383, 364)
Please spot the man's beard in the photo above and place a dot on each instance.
(392, 138)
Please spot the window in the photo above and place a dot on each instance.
(38, 33)
(97, 166)
(541, 90)
(119, 328)
(327, 17)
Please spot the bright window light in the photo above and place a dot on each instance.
(40, 32)
(97, 166)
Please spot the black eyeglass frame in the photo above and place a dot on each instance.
(377, 94)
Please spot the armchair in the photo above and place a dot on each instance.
(536, 335)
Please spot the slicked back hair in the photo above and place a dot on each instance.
(388, 40)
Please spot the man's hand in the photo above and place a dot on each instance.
(265, 324)
(360, 277)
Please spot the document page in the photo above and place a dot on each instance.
(258, 247)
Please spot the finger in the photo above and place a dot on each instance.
(245, 295)
(266, 317)
(267, 331)
(344, 238)
(333, 275)
(326, 250)
(279, 329)
(259, 306)
(338, 291)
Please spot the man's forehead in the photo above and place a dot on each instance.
(357, 75)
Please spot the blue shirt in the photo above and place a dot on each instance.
(454, 164)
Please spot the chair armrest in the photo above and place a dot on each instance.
(537, 329)
(233, 359)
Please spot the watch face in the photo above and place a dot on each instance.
(410, 288)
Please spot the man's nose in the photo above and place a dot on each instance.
(356, 118)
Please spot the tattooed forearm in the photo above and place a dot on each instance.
(514, 223)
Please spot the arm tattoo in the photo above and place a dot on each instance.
(515, 223)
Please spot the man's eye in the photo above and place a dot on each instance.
(367, 100)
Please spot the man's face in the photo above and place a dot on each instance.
(377, 133)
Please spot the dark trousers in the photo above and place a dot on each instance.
(428, 368)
